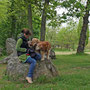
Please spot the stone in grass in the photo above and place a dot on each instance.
(17, 71)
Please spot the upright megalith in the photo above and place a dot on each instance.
(10, 45)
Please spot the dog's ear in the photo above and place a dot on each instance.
(35, 40)
(29, 43)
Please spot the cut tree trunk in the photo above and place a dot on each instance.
(82, 40)
(17, 71)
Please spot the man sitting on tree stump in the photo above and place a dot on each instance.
(23, 49)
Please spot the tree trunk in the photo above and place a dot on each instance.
(30, 19)
(13, 26)
(81, 45)
(43, 22)
(13, 19)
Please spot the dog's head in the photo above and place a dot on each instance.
(29, 43)
(34, 42)
(39, 46)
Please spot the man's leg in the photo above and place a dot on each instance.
(32, 62)
(38, 56)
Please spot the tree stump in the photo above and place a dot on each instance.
(17, 71)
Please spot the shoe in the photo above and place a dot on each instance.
(29, 79)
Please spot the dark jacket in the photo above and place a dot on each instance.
(23, 48)
(23, 45)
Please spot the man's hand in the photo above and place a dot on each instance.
(31, 52)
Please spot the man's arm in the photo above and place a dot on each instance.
(19, 43)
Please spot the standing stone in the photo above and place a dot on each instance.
(10, 49)
(10, 45)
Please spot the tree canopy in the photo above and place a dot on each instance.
(41, 17)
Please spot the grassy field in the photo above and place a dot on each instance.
(74, 71)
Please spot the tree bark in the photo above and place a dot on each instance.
(13, 26)
(82, 39)
(13, 19)
(30, 19)
(43, 22)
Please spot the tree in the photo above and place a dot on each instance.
(12, 18)
(51, 35)
(29, 8)
(76, 9)
(79, 30)
(67, 36)
(82, 39)
(43, 22)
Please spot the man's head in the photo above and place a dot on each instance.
(26, 33)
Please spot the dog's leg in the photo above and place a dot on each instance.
(48, 52)
(42, 54)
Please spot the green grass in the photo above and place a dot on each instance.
(74, 71)
(2, 57)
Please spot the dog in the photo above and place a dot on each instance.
(42, 46)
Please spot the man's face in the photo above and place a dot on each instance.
(26, 36)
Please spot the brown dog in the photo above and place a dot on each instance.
(43, 46)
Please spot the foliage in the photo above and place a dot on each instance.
(51, 35)
(65, 37)
(74, 7)
(14, 17)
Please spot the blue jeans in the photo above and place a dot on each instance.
(32, 61)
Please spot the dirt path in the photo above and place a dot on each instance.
(67, 53)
